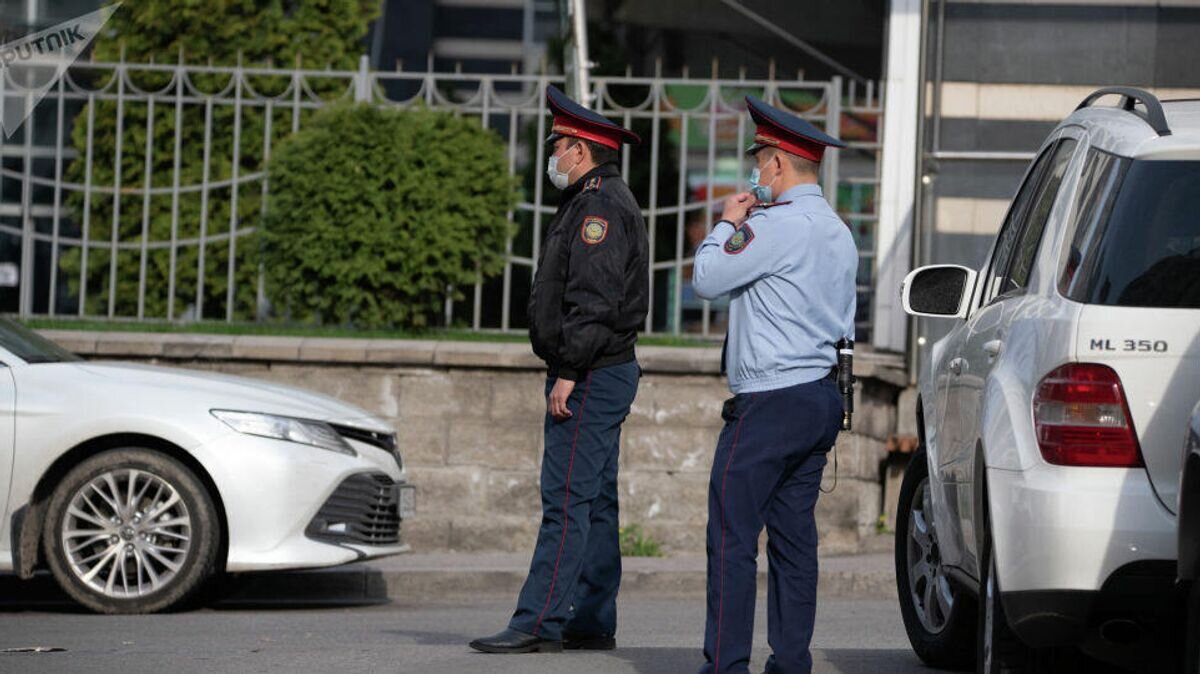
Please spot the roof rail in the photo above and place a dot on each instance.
(1130, 97)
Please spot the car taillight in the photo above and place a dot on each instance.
(1082, 418)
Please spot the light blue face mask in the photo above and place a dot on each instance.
(760, 192)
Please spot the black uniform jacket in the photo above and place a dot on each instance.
(590, 293)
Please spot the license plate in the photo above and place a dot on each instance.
(406, 500)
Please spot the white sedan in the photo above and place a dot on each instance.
(135, 484)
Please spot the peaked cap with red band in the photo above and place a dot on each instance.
(572, 119)
(787, 132)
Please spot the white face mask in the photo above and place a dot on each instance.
(559, 179)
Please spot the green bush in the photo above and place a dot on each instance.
(374, 213)
(315, 33)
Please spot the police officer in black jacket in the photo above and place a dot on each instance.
(589, 297)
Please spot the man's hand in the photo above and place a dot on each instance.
(556, 405)
(737, 207)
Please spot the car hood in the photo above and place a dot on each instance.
(238, 393)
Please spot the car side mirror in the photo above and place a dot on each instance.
(938, 291)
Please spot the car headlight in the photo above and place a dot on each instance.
(302, 431)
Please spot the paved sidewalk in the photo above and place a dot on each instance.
(431, 577)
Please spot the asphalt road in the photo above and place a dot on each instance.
(656, 636)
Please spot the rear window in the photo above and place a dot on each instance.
(1136, 241)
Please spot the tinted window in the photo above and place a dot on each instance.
(1102, 173)
(1035, 222)
(29, 346)
(1012, 223)
(1137, 241)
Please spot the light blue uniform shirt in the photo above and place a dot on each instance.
(790, 272)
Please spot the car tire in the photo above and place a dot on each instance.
(941, 638)
(131, 530)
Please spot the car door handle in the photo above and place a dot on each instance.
(956, 366)
(992, 348)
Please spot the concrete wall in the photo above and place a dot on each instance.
(469, 419)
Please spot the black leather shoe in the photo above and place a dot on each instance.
(588, 642)
(512, 641)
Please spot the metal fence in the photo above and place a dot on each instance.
(78, 233)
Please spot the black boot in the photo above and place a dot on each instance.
(588, 642)
(512, 641)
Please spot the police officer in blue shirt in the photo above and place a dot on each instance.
(788, 263)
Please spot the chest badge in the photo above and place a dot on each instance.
(738, 241)
(594, 230)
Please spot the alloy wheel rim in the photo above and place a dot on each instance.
(126, 533)
(930, 591)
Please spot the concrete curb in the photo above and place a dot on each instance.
(439, 578)
(425, 586)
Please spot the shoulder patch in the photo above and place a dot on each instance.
(738, 241)
(592, 184)
(594, 230)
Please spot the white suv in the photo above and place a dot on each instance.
(1039, 519)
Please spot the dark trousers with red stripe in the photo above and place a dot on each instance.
(767, 472)
(576, 568)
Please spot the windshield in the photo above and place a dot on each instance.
(30, 346)
(1137, 237)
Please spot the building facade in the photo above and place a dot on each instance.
(993, 81)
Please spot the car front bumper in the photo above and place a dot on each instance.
(279, 499)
